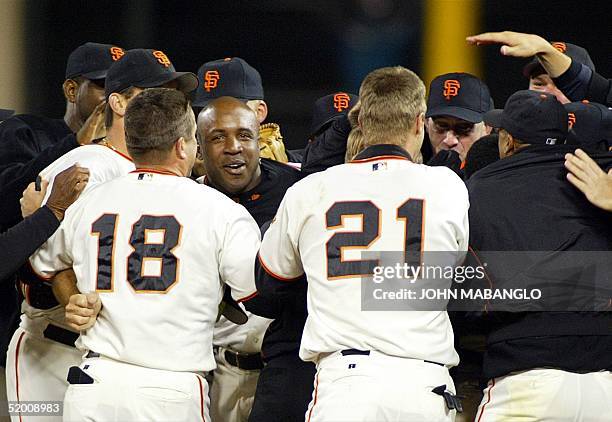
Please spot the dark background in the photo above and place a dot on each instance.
(303, 50)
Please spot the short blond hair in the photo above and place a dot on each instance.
(391, 100)
(354, 144)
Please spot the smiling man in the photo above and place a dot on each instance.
(229, 134)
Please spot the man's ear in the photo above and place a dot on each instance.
(118, 103)
(507, 144)
(70, 88)
(262, 111)
(419, 127)
(428, 123)
(180, 148)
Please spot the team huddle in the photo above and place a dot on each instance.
(191, 268)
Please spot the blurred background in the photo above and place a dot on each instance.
(303, 49)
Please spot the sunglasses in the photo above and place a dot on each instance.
(459, 128)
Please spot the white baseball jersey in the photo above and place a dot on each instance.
(156, 247)
(104, 164)
(245, 338)
(381, 203)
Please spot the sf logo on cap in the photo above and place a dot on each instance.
(162, 58)
(116, 53)
(451, 88)
(571, 120)
(211, 78)
(560, 46)
(341, 101)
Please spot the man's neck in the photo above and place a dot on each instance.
(115, 136)
(162, 168)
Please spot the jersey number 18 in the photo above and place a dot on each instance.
(144, 249)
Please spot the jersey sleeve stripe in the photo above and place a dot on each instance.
(274, 275)
(249, 297)
(42, 277)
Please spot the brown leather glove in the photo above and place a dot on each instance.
(271, 143)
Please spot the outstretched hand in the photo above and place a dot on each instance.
(586, 175)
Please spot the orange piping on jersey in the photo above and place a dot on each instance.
(112, 263)
(46, 279)
(104, 143)
(201, 398)
(273, 274)
(17, 369)
(488, 400)
(341, 225)
(462, 166)
(249, 297)
(178, 261)
(315, 397)
(147, 170)
(149, 258)
(380, 157)
(406, 222)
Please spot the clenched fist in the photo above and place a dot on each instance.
(82, 310)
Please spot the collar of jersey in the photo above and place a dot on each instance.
(146, 170)
(382, 151)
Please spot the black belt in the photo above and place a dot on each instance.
(60, 335)
(348, 352)
(246, 361)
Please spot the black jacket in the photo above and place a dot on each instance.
(22, 240)
(28, 144)
(525, 203)
(581, 83)
(288, 314)
(328, 148)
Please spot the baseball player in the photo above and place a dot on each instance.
(544, 364)
(158, 266)
(234, 77)
(370, 365)
(228, 130)
(238, 347)
(455, 109)
(572, 76)
(29, 143)
(42, 348)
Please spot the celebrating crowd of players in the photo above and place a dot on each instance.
(173, 261)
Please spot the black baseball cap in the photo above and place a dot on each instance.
(575, 52)
(459, 95)
(590, 123)
(329, 107)
(531, 117)
(92, 60)
(5, 114)
(229, 77)
(146, 68)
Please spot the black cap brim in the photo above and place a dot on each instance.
(201, 103)
(314, 131)
(187, 81)
(98, 74)
(493, 118)
(458, 112)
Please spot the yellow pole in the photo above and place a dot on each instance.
(12, 59)
(447, 23)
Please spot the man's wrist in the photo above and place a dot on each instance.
(57, 211)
